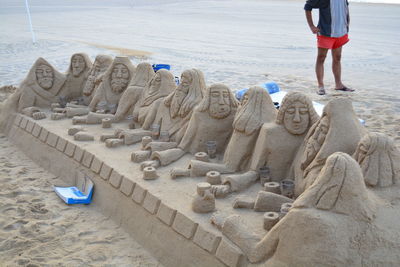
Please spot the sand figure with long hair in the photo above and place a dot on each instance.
(322, 225)
(77, 74)
(276, 146)
(100, 65)
(379, 159)
(211, 121)
(173, 113)
(114, 82)
(338, 130)
(256, 109)
(144, 73)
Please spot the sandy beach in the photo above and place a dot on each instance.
(239, 43)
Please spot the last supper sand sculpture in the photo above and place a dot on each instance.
(333, 193)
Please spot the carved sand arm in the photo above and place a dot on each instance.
(128, 99)
(151, 115)
(255, 249)
(190, 132)
(96, 99)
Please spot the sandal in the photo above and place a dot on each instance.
(321, 91)
(345, 89)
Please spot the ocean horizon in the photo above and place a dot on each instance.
(377, 1)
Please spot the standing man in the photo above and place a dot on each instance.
(332, 33)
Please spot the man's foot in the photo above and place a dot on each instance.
(345, 89)
(321, 91)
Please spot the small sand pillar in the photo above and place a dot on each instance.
(150, 173)
(213, 177)
(202, 156)
(270, 219)
(106, 123)
(285, 207)
(145, 141)
(272, 187)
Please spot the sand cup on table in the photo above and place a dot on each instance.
(164, 136)
(264, 175)
(145, 141)
(285, 207)
(287, 188)
(155, 131)
(131, 123)
(211, 149)
(106, 123)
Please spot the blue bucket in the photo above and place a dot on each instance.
(157, 67)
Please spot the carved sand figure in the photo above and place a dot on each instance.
(131, 96)
(114, 82)
(379, 159)
(256, 109)
(338, 130)
(77, 74)
(276, 145)
(173, 113)
(322, 225)
(41, 87)
(211, 121)
(161, 85)
(100, 65)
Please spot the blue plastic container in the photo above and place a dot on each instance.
(157, 67)
(271, 87)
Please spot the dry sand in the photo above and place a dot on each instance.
(38, 229)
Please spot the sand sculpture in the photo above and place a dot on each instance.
(173, 113)
(211, 121)
(77, 74)
(114, 82)
(256, 109)
(144, 73)
(276, 145)
(379, 159)
(338, 130)
(100, 65)
(161, 85)
(307, 235)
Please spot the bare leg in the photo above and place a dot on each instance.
(337, 67)
(319, 67)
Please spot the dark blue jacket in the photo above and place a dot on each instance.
(333, 16)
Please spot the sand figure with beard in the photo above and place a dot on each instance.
(100, 65)
(379, 159)
(211, 121)
(323, 227)
(161, 84)
(173, 113)
(276, 147)
(38, 90)
(144, 73)
(256, 109)
(338, 130)
(114, 82)
(77, 75)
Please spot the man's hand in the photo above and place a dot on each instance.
(314, 29)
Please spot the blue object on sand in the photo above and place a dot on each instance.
(157, 67)
(271, 87)
(72, 195)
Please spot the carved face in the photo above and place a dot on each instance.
(155, 84)
(44, 76)
(180, 94)
(78, 65)
(119, 78)
(220, 105)
(296, 118)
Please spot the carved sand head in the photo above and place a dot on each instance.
(296, 113)
(161, 85)
(120, 78)
(379, 159)
(338, 188)
(187, 95)
(144, 73)
(44, 76)
(78, 64)
(256, 108)
(219, 101)
(100, 65)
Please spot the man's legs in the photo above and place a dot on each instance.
(319, 66)
(337, 67)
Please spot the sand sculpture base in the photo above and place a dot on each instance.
(157, 213)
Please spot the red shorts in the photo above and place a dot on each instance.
(331, 42)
